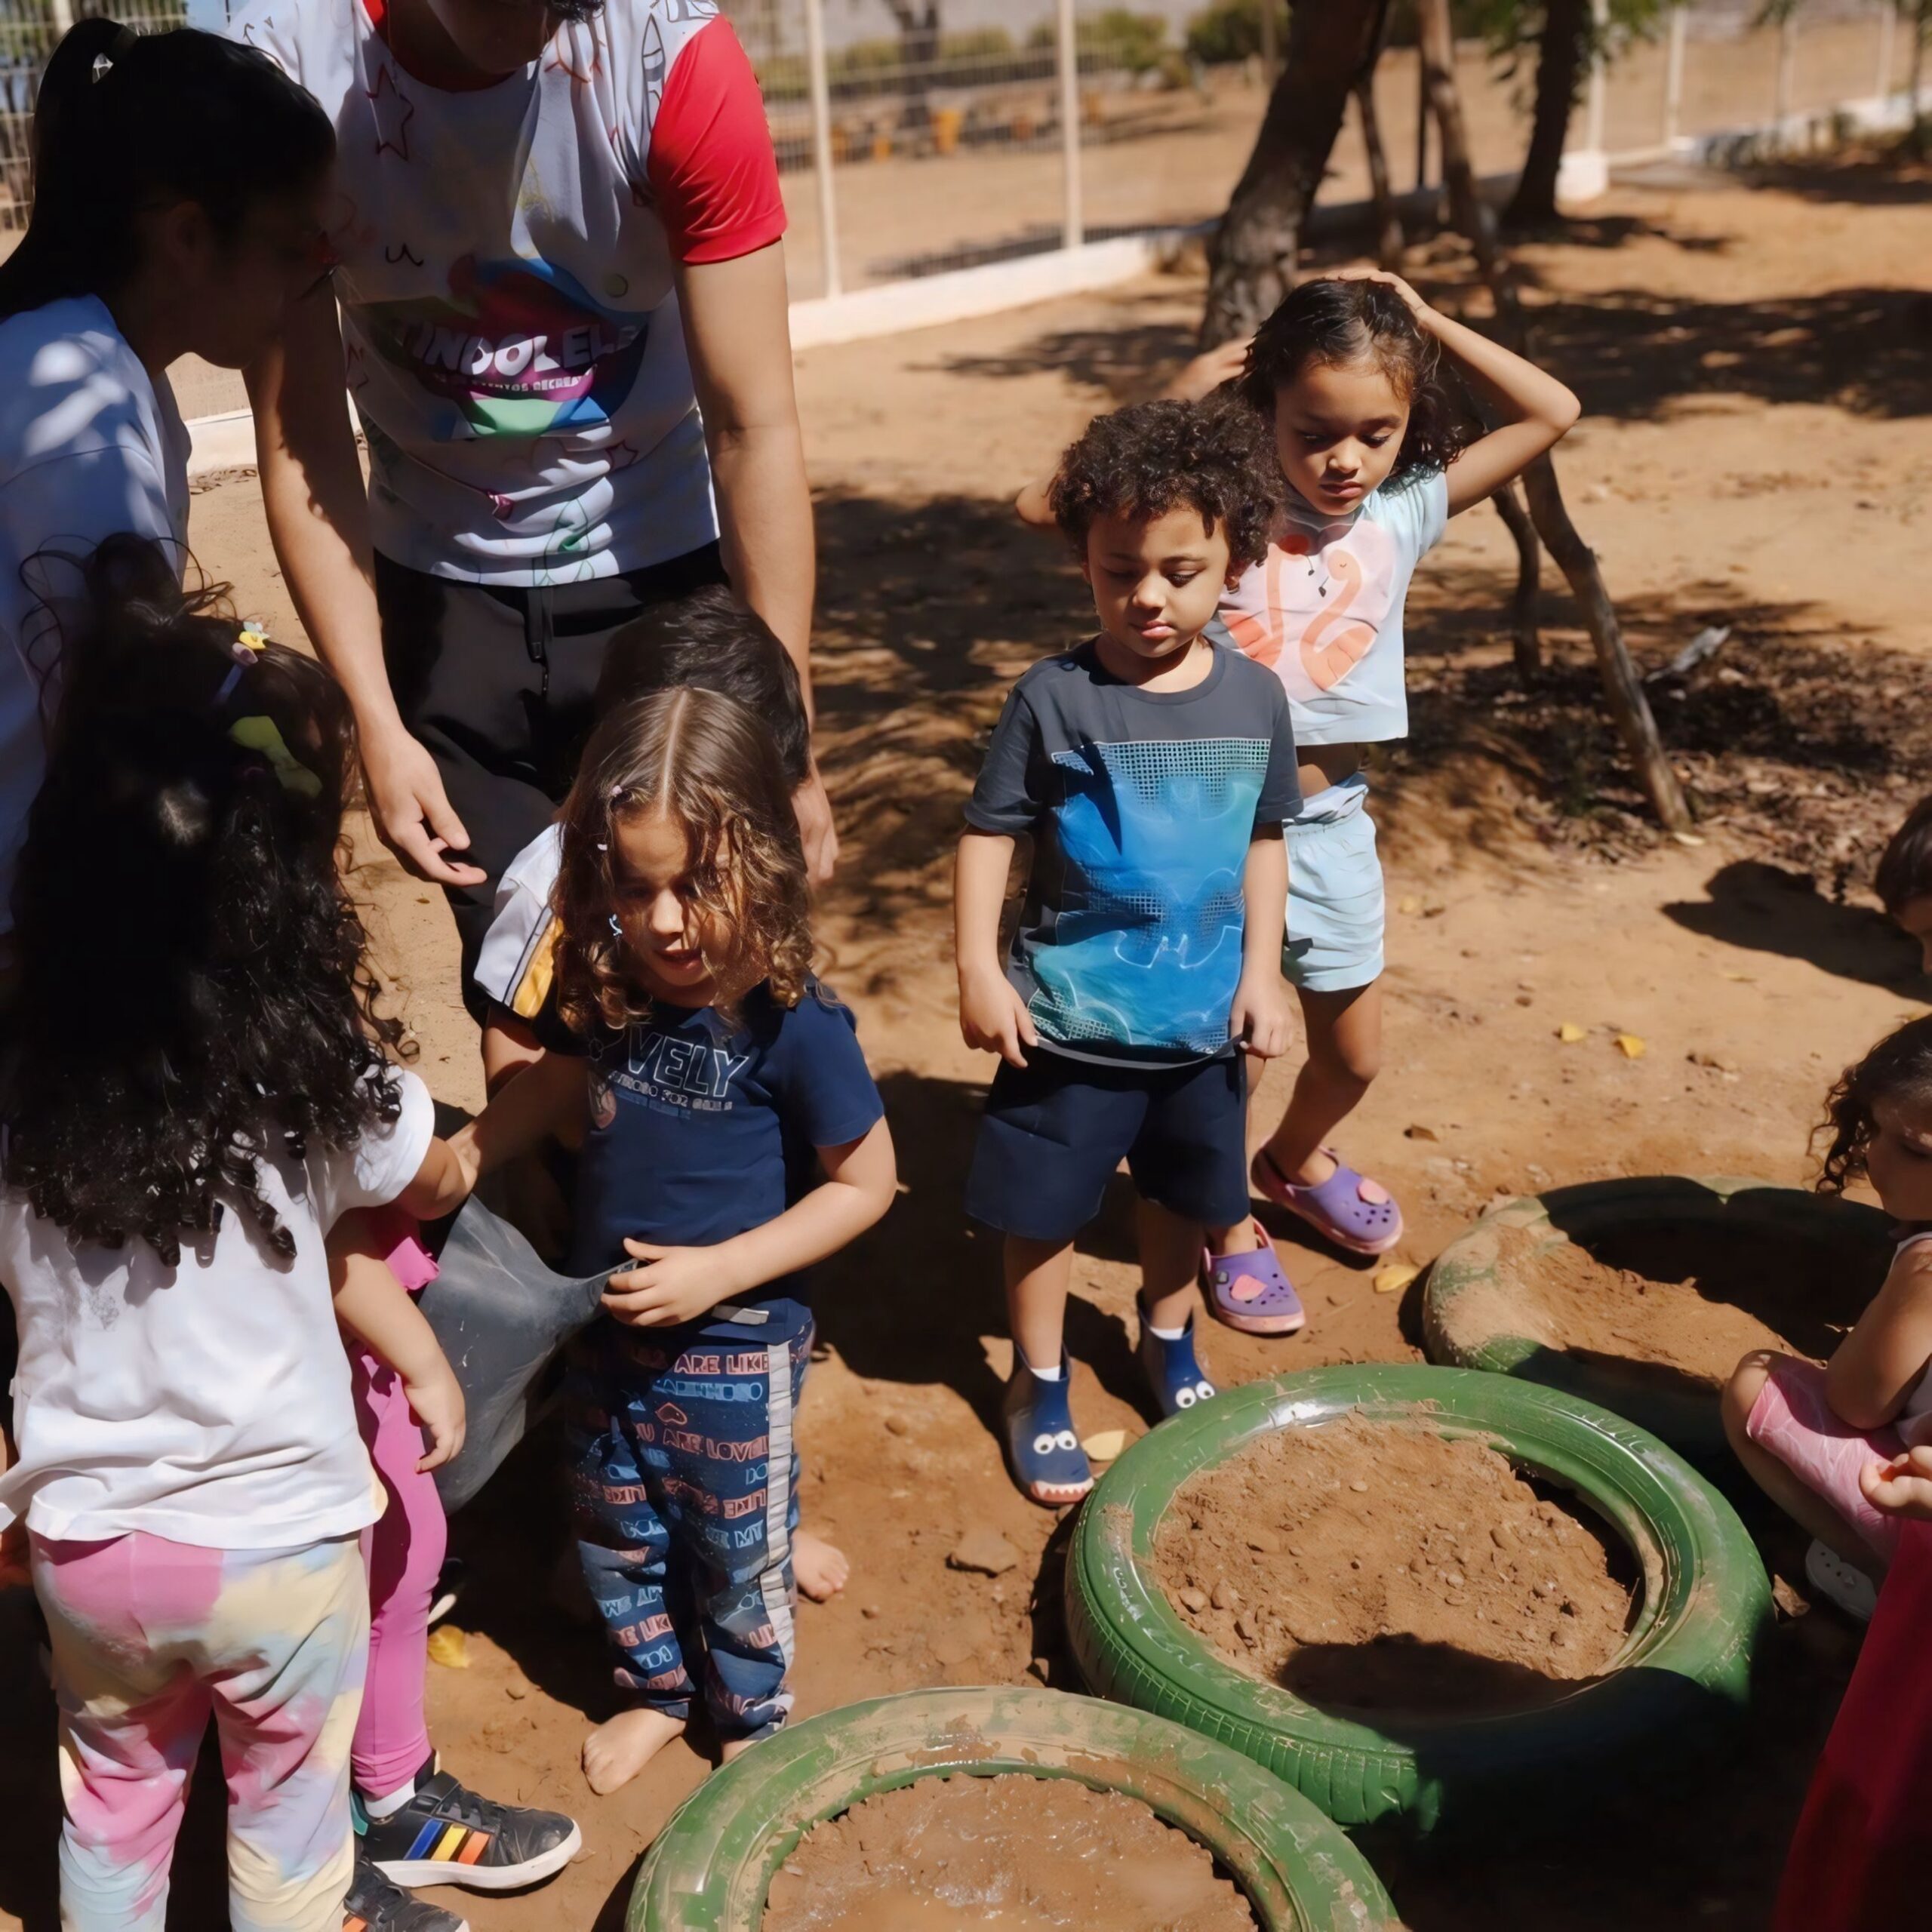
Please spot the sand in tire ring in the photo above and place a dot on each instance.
(1377, 1566)
(1022, 1854)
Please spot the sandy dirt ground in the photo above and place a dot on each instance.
(1756, 452)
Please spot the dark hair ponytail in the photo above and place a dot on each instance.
(124, 119)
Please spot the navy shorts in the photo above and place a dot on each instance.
(1056, 1130)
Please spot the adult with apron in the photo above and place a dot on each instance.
(559, 312)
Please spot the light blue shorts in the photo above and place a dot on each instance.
(1336, 912)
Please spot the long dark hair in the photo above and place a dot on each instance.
(124, 120)
(1898, 1068)
(192, 996)
(1331, 323)
(709, 762)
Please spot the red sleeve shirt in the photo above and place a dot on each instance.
(711, 169)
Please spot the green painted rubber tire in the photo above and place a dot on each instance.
(1686, 1661)
(1688, 1420)
(711, 1864)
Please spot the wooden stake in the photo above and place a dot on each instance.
(1628, 707)
(1526, 612)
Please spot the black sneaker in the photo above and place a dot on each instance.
(374, 1905)
(446, 1835)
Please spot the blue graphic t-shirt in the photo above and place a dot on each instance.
(1142, 805)
(700, 1129)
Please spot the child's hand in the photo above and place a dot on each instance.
(1901, 1487)
(1418, 307)
(675, 1284)
(436, 1401)
(1207, 373)
(993, 1018)
(1261, 1020)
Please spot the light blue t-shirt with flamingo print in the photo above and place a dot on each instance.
(1323, 609)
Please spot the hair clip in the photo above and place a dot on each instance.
(249, 638)
(617, 928)
(263, 734)
(601, 847)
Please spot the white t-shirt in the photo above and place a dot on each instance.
(89, 447)
(207, 1403)
(1323, 609)
(515, 964)
(504, 265)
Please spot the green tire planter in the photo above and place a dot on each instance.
(711, 1866)
(1686, 1661)
(1686, 1418)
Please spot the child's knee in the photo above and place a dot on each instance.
(1346, 1061)
(1741, 1393)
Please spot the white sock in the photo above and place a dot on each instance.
(1167, 1335)
(1040, 1374)
(384, 1808)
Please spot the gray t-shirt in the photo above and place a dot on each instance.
(1142, 805)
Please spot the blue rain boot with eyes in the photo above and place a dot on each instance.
(1174, 1371)
(1041, 1447)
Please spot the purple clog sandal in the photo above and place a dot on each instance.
(1348, 1208)
(1251, 1292)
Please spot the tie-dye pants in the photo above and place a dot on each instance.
(150, 1639)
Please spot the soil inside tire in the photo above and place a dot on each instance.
(1022, 1854)
(1670, 1307)
(1377, 1566)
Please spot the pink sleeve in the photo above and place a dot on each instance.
(711, 168)
(410, 1261)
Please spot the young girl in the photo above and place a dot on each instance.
(721, 1079)
(1842, 1449)
(193, 1090)
(1348, 371)
(178, 181)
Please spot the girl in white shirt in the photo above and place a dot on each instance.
(193, 1091)
(178, 187)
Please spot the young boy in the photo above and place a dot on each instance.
(1153, 773)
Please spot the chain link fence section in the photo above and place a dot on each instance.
(29, 29)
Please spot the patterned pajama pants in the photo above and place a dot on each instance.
(150, 1639)
(686, 1478)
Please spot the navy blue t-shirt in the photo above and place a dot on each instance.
(700, 1129)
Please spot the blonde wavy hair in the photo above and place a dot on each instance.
(710, 763)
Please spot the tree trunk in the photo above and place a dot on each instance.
(1526, 612)
(1628, 707)
(1251, 260)
(1388, 222)
(918, 54)
(1566, 25)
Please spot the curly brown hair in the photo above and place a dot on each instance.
(1898, 1068)
(1332, 323)
(1152, 457)
(193, 1000)
(709, 762)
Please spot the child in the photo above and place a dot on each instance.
(1839, 1448)
(719, 1071)
(1153, 773)
(1348, 374)
(711, 640)
(178, 181)
(1904, 880)
(193, 1090)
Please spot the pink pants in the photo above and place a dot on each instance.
(404, 1552)
(1791, 1420)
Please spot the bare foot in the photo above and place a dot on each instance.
(618, 1749)
(736, 1747)
(820, 1568)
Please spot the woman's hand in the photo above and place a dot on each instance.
(993, 1018)
(1418, 307)
(413, 814)
(676, 1284)
(435, 1400)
